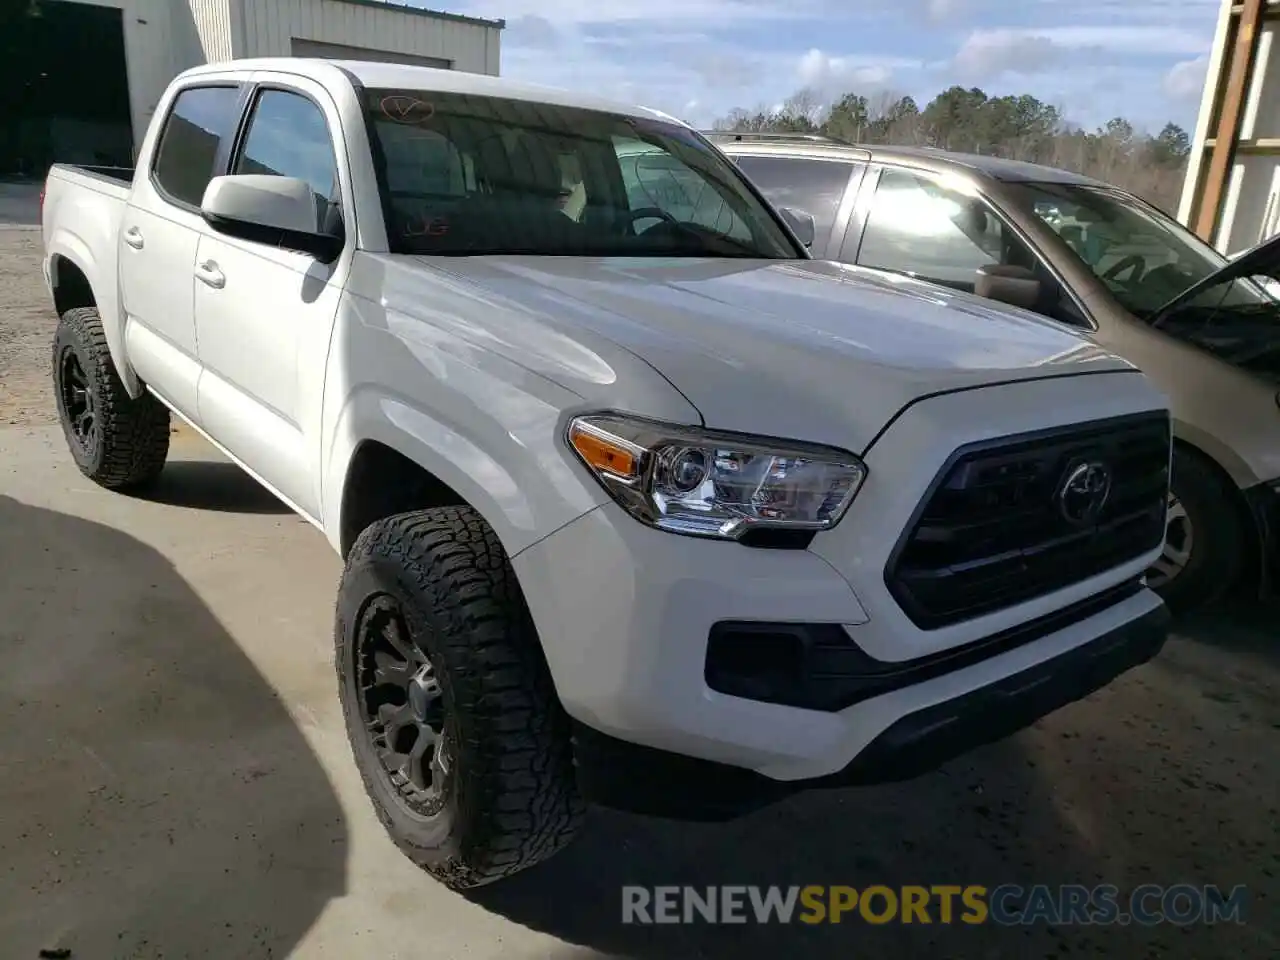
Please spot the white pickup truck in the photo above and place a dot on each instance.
(639, 503)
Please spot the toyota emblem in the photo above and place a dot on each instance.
(1083, 493)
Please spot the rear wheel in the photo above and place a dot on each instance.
(1204, 537)
(456, 730)
(118, 441)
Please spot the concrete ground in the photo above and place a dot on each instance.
(175, 781)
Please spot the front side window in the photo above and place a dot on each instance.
(202, 117)
(917, 226)
(815, 187)
(288, 137)
(469, 176)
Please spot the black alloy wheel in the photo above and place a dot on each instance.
(78, 402)
(403, 706)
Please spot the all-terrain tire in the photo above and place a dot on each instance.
(511, 799)
(1219, 535)
(128, 441)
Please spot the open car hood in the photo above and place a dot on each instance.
(1262, 260)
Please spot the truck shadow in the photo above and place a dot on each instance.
(982, 821)
(158, 798)
(217, 485)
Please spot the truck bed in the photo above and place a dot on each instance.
(117, 179)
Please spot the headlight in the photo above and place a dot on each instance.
(709, 484)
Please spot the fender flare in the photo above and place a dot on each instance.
(68, 246)
(520, 513)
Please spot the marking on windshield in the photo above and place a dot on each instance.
(408, 110)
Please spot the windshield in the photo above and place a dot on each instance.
(1144, 257)
(463, 175)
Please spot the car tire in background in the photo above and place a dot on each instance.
(1205, 536)
(118, 441)
(463, 747)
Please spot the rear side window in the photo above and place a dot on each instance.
(202, 117)
(815, 187)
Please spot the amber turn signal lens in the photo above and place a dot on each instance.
(603, 454)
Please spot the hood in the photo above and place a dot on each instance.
(806, 350)
(1260, 261)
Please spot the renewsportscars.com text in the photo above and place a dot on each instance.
(1006, 905)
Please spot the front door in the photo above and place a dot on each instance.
(264, 315)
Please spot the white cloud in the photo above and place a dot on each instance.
(701, 58)
(940, 10)
(1185, 80)
(828, 74)
(990, 53)
(1136, 39)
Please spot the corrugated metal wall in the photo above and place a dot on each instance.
(213, 25)
(164, 37)
(272, 25)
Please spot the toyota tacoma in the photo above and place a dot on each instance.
(639, 503)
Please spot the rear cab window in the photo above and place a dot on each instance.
(201, 120)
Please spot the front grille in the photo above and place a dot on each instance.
(995, 528)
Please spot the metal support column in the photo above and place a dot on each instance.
(1231, 84)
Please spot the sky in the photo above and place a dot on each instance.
(698, 59)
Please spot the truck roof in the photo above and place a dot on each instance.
(433, 79)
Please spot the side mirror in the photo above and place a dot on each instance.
(801, 224)
(277, 211)
(1017, 286)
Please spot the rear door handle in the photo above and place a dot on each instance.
(210, 275)
(133, 237)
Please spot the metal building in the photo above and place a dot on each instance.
(92, 71)
(1231, 196)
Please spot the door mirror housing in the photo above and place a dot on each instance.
(802, 224)
(1017, 286)
(276, 211)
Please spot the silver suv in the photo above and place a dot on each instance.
(1206, 330)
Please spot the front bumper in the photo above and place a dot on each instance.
(642, 780)
(625, 614)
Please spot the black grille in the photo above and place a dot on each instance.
(992, 530)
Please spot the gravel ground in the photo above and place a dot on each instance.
(26, 315)
(1171, 775)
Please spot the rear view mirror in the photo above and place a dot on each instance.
(801, 224)
(277, 211)
(1017, 286)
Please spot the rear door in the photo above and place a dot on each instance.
(159, 232)
(823, 187)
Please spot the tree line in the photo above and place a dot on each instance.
(969, 121)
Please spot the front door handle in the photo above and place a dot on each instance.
(133, 237)
(209, 274)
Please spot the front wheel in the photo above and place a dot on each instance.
(453, 721)
(1205, 537)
